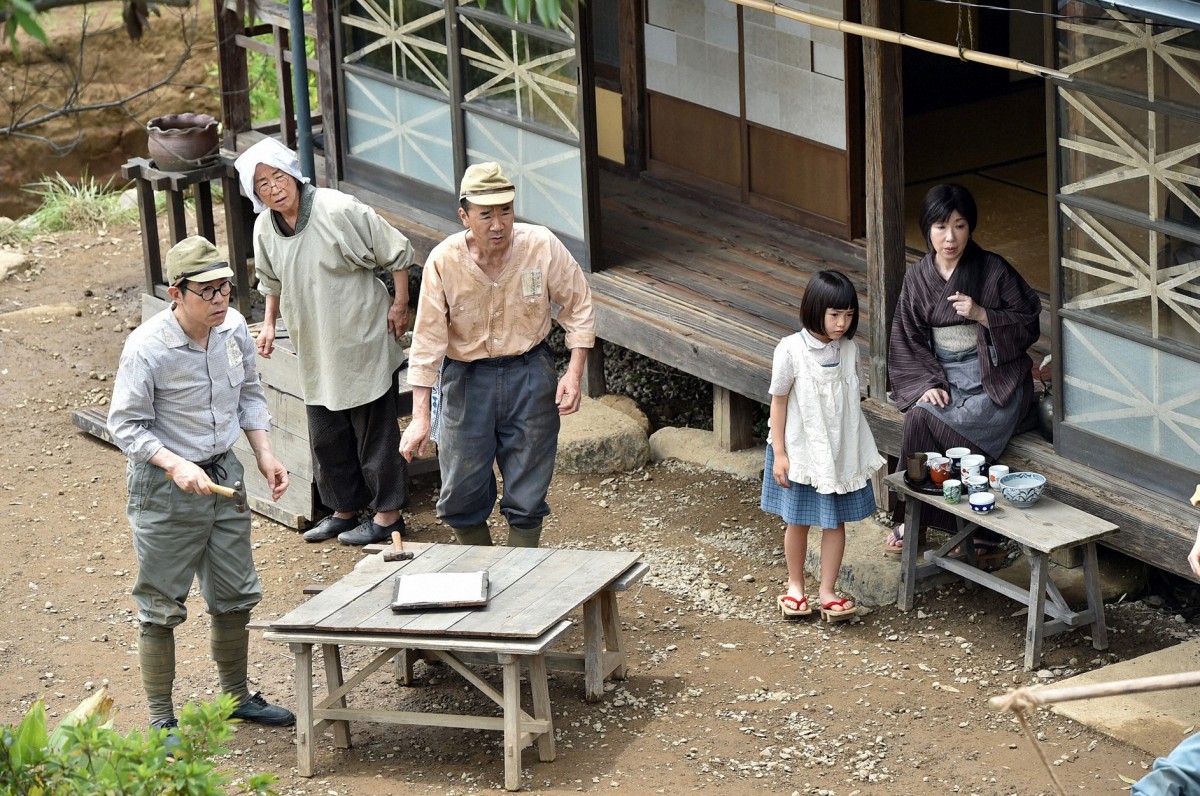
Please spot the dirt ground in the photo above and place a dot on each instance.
(722, 694)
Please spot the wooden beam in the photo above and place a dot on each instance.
(327, 90)
(733, 420)
(884, 129)
(232, 73)
(631, 29)
(593, 384)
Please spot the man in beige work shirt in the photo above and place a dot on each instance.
(482, 319)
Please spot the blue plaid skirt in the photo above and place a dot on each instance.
(804, 505)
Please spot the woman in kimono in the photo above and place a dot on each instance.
(957, 358)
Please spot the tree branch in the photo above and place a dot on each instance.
(23, 121)
(46, 5)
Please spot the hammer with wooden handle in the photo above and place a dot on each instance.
(237, 493)
(396, 552)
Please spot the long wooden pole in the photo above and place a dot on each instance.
(868, 32)
(1026, 697)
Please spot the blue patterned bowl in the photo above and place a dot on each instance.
(1022, 489)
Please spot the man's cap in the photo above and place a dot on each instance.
(485, 184)
(197, 260)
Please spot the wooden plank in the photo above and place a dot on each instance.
(287, 412)
(576, 575)
(1045, 526)
(291, 449)
(487, 645)
(629, 577)
(294, 509)
(367, 609)
(94, 421)
(504, 570)
(308, 615)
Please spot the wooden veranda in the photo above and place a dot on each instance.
(710, 290)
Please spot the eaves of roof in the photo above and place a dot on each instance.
(1184, 13)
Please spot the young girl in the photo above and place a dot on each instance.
(821, 453)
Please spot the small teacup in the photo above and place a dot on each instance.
(969, 465)
(995, 473)
(976, 483)
(982, 502)
(952, 490)
(916, 467)
(955, 456)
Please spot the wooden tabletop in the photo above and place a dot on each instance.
(1046, 525)
(531, 591)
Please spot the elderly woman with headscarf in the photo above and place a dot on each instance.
(316, 251)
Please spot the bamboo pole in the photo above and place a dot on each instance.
(868, 32)
(1032, 697)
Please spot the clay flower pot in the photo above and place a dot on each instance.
(182, 141)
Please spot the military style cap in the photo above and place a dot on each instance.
(196, 260)
(485, 184)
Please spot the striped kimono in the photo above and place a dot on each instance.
(988, 399)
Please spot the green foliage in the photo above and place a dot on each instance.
(89, 205)
(84, 756)
(548, 11)
(22, 14)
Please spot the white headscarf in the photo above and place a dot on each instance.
(272, 153)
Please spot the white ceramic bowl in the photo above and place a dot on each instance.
(982, 502)
(1022, 489)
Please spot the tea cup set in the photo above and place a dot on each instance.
(959, 473)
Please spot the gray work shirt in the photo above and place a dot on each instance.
(171, 393)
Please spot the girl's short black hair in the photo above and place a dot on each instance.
(828, 290)
(940, 203)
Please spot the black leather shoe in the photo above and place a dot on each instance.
(330, 527)
(370, 533)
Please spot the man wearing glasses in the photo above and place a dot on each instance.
(185, 389)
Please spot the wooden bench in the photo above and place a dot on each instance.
(1042, 529)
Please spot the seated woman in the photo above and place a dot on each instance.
(957, 357)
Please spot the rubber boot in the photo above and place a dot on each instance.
(156, 658)
(474, 534)
(524, 537)
(229, 642)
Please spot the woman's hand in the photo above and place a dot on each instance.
(780, 470)
(936, 396)
(966, 307)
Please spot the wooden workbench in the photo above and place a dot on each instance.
(532, 591)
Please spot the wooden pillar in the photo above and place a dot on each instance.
(884, 129)
(733, 420)
(234, 79)
(281, 52)
(327, 90)
(593, 383)
(631, 29)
